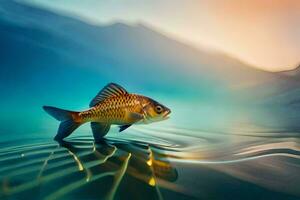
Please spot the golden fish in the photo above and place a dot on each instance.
(112, 105)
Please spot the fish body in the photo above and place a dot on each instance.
(114, 110)
(112, 105)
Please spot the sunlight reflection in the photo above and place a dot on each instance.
(152, 182)
(80, 166)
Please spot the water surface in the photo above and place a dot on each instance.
(164, 162)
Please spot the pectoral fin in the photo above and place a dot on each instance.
(135, 116)
(99, 130)
(122, 128)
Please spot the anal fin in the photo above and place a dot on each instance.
(99, 130)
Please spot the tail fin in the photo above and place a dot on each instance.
(67, 125)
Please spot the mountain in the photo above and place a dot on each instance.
(292, 73)
(136, 53)
(290, 96)
(48, 58)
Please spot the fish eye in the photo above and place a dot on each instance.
(158, 109)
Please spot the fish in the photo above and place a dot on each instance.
(113, 105)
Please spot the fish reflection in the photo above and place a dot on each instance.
(136, 163)
(83, 169)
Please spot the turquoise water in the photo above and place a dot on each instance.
(166, 160)
(233, 132)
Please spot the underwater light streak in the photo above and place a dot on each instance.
(53, 176)
(75, 185)
(232, 161)
(118, 177)
(80, 166)
(254, 149)
(152, 182)
(150, 162)
(46, 162)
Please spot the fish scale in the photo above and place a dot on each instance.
(113, 109)
(112, 105)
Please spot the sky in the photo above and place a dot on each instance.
(263, 33)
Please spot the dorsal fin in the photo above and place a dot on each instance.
(111, 89)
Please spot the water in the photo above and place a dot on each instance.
(154, 162)
(233, 132)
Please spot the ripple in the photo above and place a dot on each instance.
(49, 163)
(146, 159)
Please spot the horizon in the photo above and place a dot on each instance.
(280, 56)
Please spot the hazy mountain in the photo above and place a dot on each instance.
(47, 58)
(42, 46)
(292, 73)
(45, 42)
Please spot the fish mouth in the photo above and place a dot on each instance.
(165, 115)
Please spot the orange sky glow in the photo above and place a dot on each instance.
(263, 33)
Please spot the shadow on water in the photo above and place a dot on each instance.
(81, 169)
